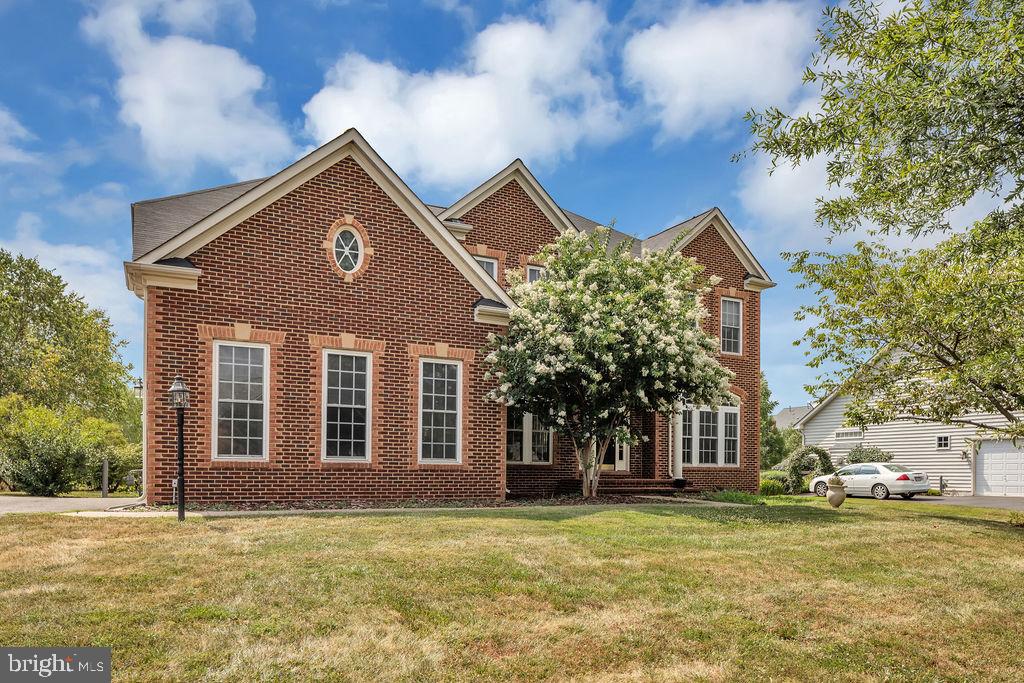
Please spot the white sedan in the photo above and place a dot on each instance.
(876, 479)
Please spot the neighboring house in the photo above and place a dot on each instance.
(787, 417)
(958, 457)
(330, 327)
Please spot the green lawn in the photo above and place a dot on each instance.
(789, 591)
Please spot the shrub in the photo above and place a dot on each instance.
(729, 496)
(106, 440)
(811, 459)
(41, 451)
(773, 474)
(772, 487)
(862, 453)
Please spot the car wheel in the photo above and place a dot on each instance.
(907, 496)
(880, 491)
(820, 489)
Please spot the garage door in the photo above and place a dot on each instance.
(999, 469)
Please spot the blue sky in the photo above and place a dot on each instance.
(627, 111)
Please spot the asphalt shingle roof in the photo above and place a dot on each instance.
(154, 221)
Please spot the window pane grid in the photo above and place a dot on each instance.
(687, 436)
(439, 430)
(240, 401)
(707, 442)
(731, 321)
(346, 419)
(541, 442)
(731, 438)
(514, 436)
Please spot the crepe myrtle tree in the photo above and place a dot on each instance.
(603, 335)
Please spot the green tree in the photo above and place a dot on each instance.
(933, 336)
(55, 350)
(41, 450)
(604, 335)
(920, 112)
(773, 445)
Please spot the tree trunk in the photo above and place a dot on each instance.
(589, 459)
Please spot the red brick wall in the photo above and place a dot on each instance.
(711, 250)
(510, 222)
(268, 279)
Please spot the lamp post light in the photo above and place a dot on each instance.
(179, 401)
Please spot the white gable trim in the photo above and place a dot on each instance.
(517, 171)
(349, 144)
(761, 279)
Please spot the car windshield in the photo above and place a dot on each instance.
(896, 468)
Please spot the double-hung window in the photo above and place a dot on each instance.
(440, 411)
(710, 438)
(346, 427)
(732, 326)
(534, 273)
(526, 439)
(241, 401)
(490, 265)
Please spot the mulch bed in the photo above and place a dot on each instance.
(566, 500)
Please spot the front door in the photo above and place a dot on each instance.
(615, 457)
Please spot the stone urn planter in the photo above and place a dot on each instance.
(836, 492)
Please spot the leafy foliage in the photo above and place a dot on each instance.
(813, 459)
(773, 444)
(604, 335)
(772, 487)
(54, 349)
(41, 452)
(920, 111)
(862, 453)
(45, 452)
(928, 336)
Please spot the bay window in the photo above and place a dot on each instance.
(707, 438)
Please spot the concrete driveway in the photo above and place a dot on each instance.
(998, 502)
(9, 504)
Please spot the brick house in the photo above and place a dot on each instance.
(330, 327)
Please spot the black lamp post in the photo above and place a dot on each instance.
(179, 401)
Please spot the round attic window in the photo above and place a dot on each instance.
(348, 250)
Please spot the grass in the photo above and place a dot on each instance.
(790, 590)
(730, 496)
(80, 493)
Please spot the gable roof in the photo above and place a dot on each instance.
(787, 417)
(517, 171)
(154, 221)
(688, 230)
(260, 194)
(588, 225)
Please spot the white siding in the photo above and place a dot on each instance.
(912, 444)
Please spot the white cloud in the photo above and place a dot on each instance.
(463, 11)
(93, 272)
(101, 203)
(528, 89)
(705, 66)
(12, 134)
(190, 101)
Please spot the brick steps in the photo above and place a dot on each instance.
(631, 486)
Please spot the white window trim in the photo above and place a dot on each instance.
(458, 414)
(487, 259)
(539, 269)
(949, 442)
(359, 241)
(622, 454)
(720, 438)
(848, 434)
(216, 402)
(721, 326)
(528, 431)
(323, 406)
